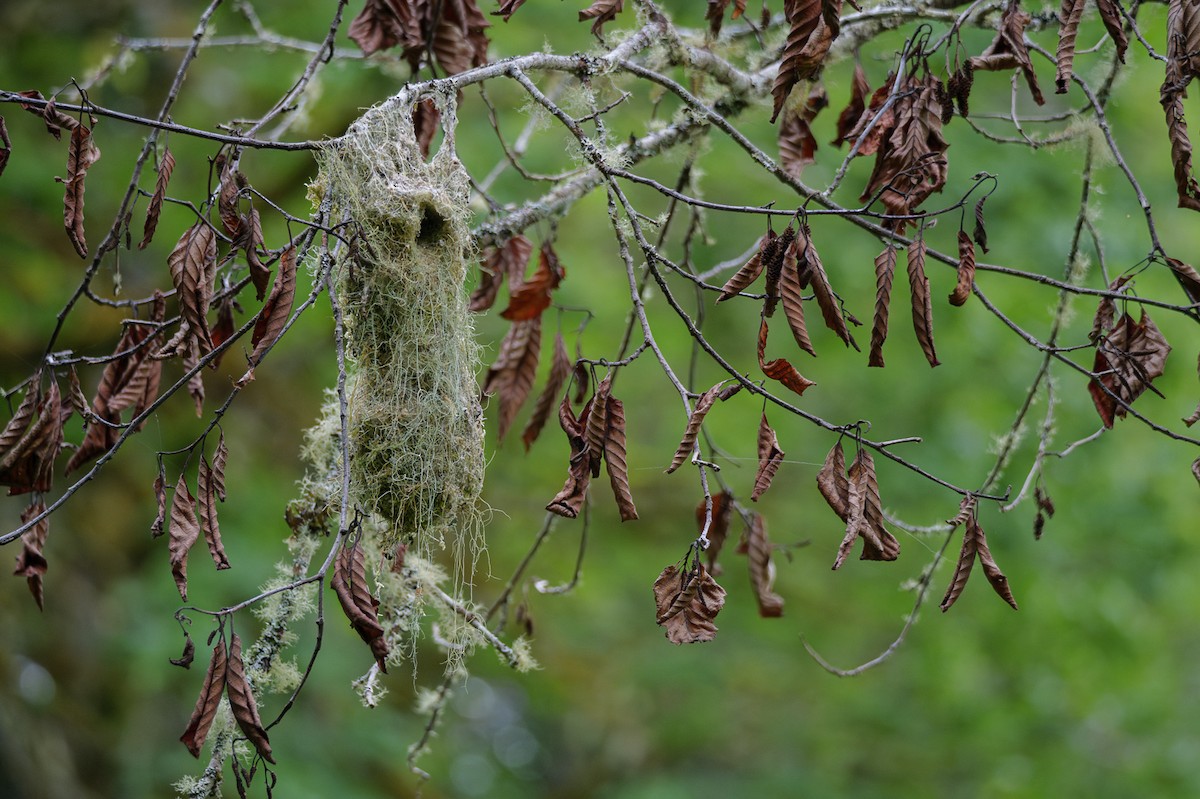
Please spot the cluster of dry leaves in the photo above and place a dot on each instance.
(226, 676)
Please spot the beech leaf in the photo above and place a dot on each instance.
(769, 458)
(208, 514)
(207, 703)
(749, 271)
(762, 569)
(242, 702)
(966, 270)
(687, 603)
(81, 154)
(166, 165)
(615, 459)
(191, 264)
(272, 320)
(511, 377)
(885, 268)
(687, 444)
(922, 300)
(185, 530)
(560, 370)
(812, 272)
(361, 608)
(31, 563)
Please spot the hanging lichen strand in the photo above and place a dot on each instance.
(415, 423)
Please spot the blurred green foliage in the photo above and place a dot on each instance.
(1090, 690)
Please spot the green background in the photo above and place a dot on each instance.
(1090, 689)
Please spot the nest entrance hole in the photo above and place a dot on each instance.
(433, 225)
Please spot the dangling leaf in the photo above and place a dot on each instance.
(793, 300)
(687, 603)
(242, 702)
(511, 377)
(718, 527)
(966, 270)
(832, 482)
(812, 273)
(560, 369)
(601, 11)
(762, 569)
(1128, 360)
(922, 301)
(1009, 51)
(208, 701)
(769, 458)
(532, 297)
(885, 268)
(273, 318)
(185, 530)
(166, 165)
(81, 154)
(31, 563)
(191, 264)
(350, 584)
(569, 501)
(205, 486)
(614, 459)
(780, 369)
(1068, 28)
(507, 260)
(749, 271)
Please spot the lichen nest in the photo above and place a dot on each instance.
(415, 422)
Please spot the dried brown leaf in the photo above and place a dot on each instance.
(780, 369)
(864, 510)
(19, 423)
(1008, 51)
(792, 296)
(185, 531)
(569, 501)
(273, 318)
(885, 269)
(208, 701)
(966, 270)
(762, 569)
(812, 272)
(529, 299)
(508, 8)
(716, 13)
(350, 584)
(81, 154)
(160, 497)
(769, 458)
(687, 445)
(922, 300)
(243, 703)
(560, 369)
(5, 146)
(601, 11)
(511, 377)
(990, 570)
(812, 27)
(1114, 23)
(185, 660)
(426, 121)
(1127, 361)
(192, 263)
(853, 111)
(195, 385)
(1188, 277)
(749, 271)
(773, 259)
(615, 459)
(1068, 28)
(832, 482)
(31, 563)
(28, 465)
(507, 260)
(797, 144)
(962, 569)
(910, 163)
(687, 604)
(595, 426)
(208, 514)
(166, 165)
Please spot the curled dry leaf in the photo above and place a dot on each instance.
(27, 464)
(350, 584)
(687, 445)
(717, 528)
(615, 459)
(560, 369)
(716, 14)
(529, 299)
(273, 318)
(31, 563)
(687, 603)
(979, 234)
(749, 271)
(793, 300)
(966, 270)
(910, 163)
(1068, 28)
(1114, 23)
(601, 11)
(81, 155)
(855, 107)
(773, 261)
(975, 544)
(220, 459)
(160, 497)
(569, 501)
(205, 486)
(595, 427)
(243, 703)
(166, 165)
(812, 27)
(885, 269)
(922, 301)
(193, 264)
(832, 482)
(1009, 51)
(186, 659)
(208, 701)
(1183, 30)
(1128, 360)
(511, 377)
(769, 458)
(780, 369)
(507, 260)
(762, 569)
(797, 144)
(190, 360)
(854, 497)
(812, 272)
(185, 530)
